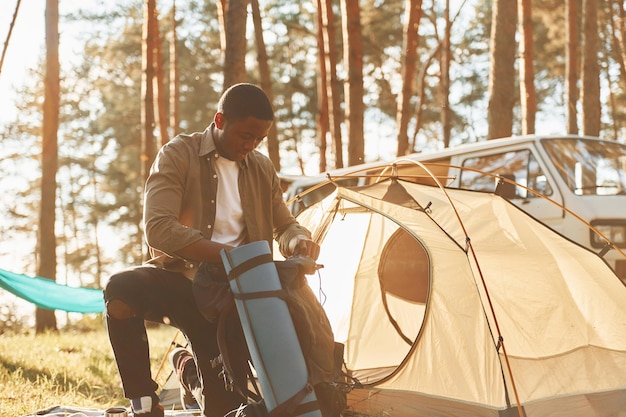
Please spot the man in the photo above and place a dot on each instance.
(206, 191)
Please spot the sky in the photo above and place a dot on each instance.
(24, 49)
(27, 43)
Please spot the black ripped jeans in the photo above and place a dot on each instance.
(162, 296)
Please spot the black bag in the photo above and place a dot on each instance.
(211, 290)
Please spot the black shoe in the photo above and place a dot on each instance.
(182, 362)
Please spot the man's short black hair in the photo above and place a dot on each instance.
(245, 100)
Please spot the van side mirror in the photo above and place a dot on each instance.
(504, 188)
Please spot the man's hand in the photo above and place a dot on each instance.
(306, 247)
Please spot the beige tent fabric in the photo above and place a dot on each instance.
(559, 307)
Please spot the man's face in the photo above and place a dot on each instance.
(242, 136)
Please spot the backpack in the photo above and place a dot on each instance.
(323, 356)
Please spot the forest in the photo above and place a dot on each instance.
(351, 82)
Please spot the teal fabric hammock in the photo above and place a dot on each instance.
(48, 294)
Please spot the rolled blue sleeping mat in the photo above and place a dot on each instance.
(269, 331)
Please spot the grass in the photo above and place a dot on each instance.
(71, 368)
(74, 368)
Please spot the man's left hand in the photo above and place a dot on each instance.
(306, 247)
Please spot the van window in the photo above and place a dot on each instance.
(300, 197)
(589, 167)
(307, 199)
(520, 166)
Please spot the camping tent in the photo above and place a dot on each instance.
(456, 303)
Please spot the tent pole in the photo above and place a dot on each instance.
(167, 353)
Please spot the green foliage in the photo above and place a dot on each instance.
(72, 368)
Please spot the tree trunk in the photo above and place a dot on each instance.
(619, 41)
(147, 97)
(413, 13)
(173, 60)
(159, 79)
(222, 7)
(235, 51)
(147, 92)
(445, 79)
(571, 64)
(353, 60)
(266, 81)
(96, 223)
(323, 125)
(590, 73)
(45, 319)
(618, 23)
(502, 69)
(332, 82)
(612, 105)
(527, 74)
(421, 94)
(8, 38)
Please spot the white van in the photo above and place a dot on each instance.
(584, 176)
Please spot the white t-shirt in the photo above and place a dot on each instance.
(229, 225)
